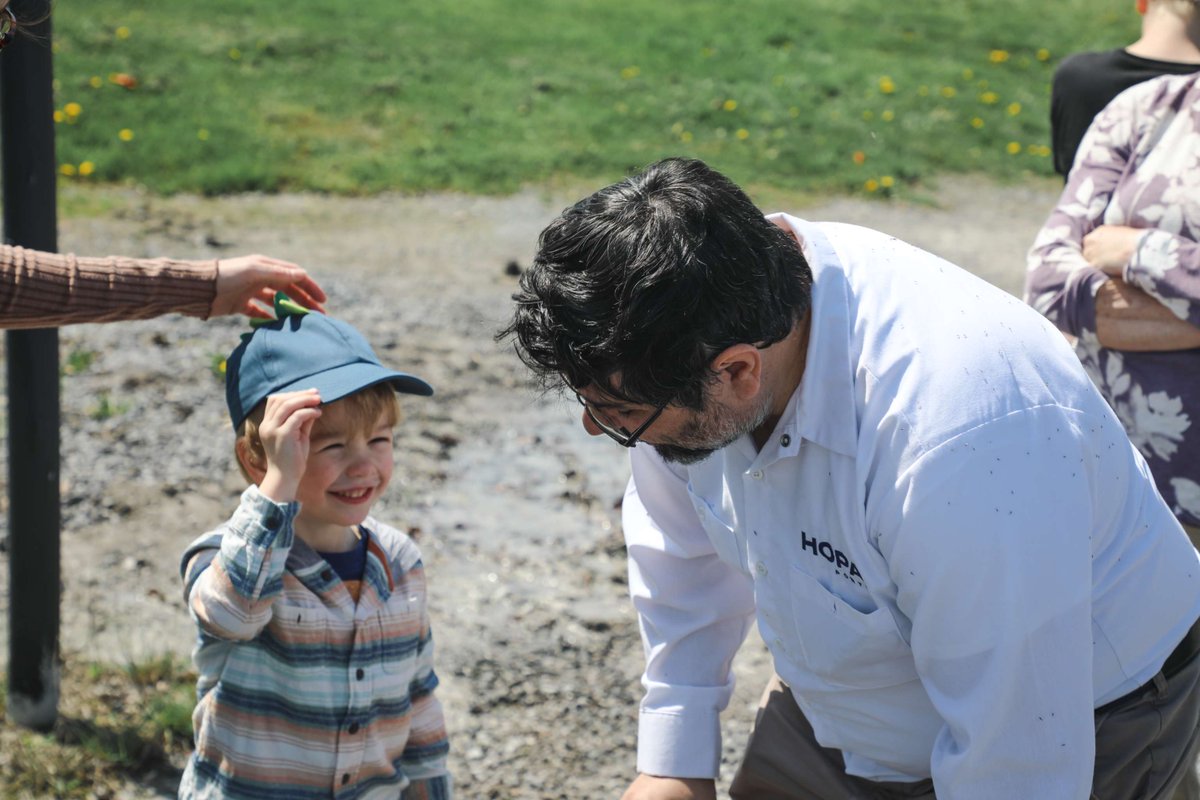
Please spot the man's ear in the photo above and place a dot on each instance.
(249, 462)
(740, 366)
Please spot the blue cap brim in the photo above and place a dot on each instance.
(336, 383)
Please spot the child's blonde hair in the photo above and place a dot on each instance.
(362, 410)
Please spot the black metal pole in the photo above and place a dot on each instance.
(30, 220)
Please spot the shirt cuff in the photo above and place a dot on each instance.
(1079, 306)
(262, 522)
(679, 743)
(1151, 257)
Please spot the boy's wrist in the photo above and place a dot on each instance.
(277, 487)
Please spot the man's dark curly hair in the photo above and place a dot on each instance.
(652, 277)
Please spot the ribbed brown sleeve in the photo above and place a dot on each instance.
(45, 290)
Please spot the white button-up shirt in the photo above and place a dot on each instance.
(949, 544)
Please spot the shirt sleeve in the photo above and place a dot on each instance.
(425, 753)
(1059, 282)
(1167, 267)
(44, 290)
(229, 589)
(694, 611)
(991, 556)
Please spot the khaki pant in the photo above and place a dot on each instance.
(1146, 749)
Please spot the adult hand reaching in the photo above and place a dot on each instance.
(650, 787)
(247, 285)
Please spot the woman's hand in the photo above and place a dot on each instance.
(247, 285)
(1111, 247)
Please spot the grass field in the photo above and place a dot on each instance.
(487, 95)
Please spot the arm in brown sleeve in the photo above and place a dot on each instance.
(45, 290)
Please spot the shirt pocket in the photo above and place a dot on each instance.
(720, 533)
(297, 622)
(844, 646)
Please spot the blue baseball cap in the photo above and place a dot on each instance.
(306, 350)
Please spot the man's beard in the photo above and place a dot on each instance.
(708, 432)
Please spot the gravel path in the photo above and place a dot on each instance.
(513, 505)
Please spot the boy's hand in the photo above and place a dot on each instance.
(285, 432)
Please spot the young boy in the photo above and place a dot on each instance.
(315, 655)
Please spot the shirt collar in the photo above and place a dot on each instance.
(824, 407)
(377, 571)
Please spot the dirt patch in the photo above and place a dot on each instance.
(513, 504)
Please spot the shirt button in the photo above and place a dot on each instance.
(326, 576)
(757, 474)
(761, 567)
(353, 727)
(785, 440)
(358, 674)
(345, 778)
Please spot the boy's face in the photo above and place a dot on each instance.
(348, 469)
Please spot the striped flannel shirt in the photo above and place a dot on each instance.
(45, 290)
(303, 693)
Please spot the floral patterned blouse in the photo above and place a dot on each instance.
(1139, 165)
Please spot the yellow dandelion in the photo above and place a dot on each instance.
(685, 137)
(629, 73)
(1013, 148)
(989, 97)
(968, 74)
(888, 115)
(59, 116)
(125, 135)
(949, 91)
(202, 134)
(871, 185)
(235, 54)
(887, 85)
(73, 109)
(887, 181)
(977, 122)
(1013, 109)
(677, 128)
(123, 32)
(1043, 54)
(66, 169)
(729, 105)
(743, 134)
(95, 82)
(86, 168)
(998, 56)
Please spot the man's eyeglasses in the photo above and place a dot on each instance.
(620, 435)
(8, 26)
